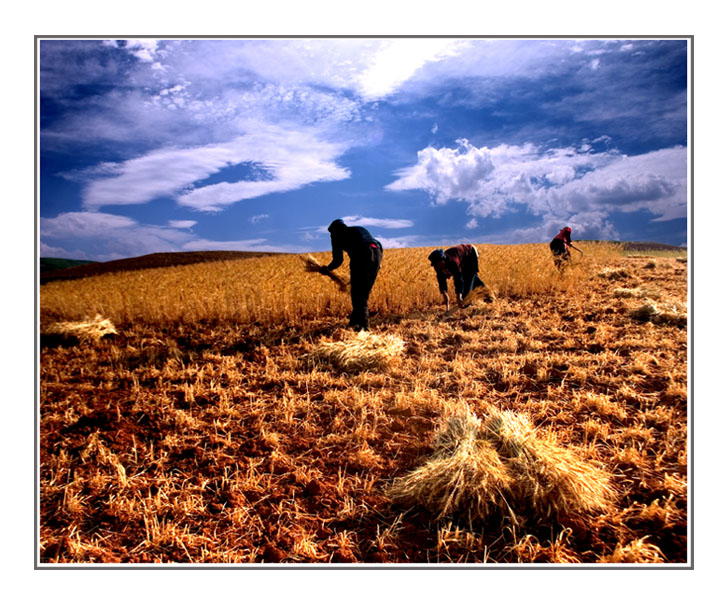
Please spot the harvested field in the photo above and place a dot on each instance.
(550, 422)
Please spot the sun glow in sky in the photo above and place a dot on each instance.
(158, 145)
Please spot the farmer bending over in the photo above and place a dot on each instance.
(559, 247)
(460, 263)
(365, 258)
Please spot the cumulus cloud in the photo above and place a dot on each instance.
(550, 182)
(447, 173)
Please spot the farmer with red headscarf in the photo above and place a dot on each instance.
(559, 247)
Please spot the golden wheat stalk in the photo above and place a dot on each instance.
(312, 265)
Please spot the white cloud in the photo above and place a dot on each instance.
(108, 237)
(257, 218)
(83, 225)
(182, 224)
(396, 61)
(144, 49)
(554, 182)
(472, 224)
(447, 173)
(382, 223)
(293, 158)
(398, 242)
(592, 225)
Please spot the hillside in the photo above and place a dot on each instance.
(158, 260)
(56, 264)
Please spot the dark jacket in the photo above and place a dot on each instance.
(458, 260)
(355, 241)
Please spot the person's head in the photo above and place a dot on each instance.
(437, 260)
(567, 229)
(337, 226)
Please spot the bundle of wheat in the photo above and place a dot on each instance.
(629, 292)
(478, 294)
(674, 313)
(92, 329)
(614, 273)
(637, 292)
(464, 475)
(548, 479)
(362, 352)
(311, 265)
(502, 466)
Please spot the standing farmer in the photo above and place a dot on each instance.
(559, 247)
(365, 258)
(460, 263)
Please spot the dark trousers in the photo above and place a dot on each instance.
(364, 268)
(561, 254)
(470, 274)
(470, 282)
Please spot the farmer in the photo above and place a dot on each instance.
(365, 258)
(559, 247)
(460, 263)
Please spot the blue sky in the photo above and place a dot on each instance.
(158, 145)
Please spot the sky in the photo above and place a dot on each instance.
(165, 145)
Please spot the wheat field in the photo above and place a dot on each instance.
(224, 415)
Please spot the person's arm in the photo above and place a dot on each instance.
(446, 300)
(337, 256)
(442, 284)
(457, 278)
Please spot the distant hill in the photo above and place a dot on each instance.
(641, 246)
(638, 246)
(55, 264)
(77, 269)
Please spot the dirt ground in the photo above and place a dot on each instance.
(221, 443)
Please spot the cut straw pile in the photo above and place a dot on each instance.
(479, 294)
(674, 313)
(89, 330)
(614, 273)
(502, 467)
(312, 265)
(636, 292)
(362, 352)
